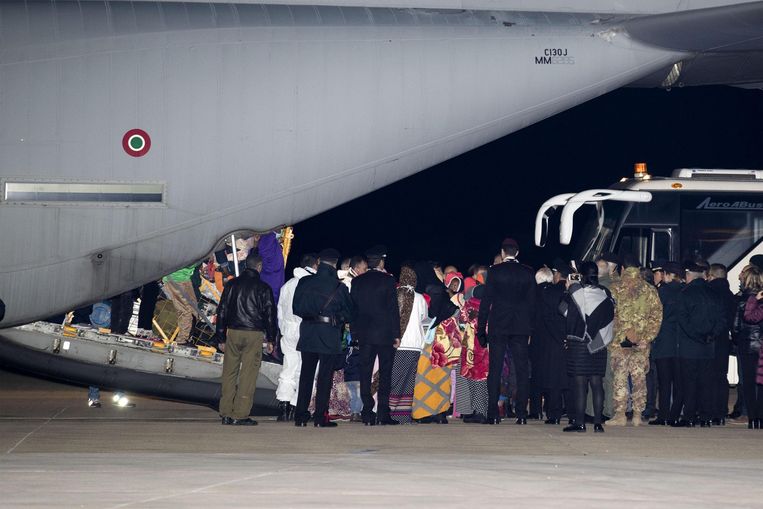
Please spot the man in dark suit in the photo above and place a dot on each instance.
(376, 328)
(717, 280)
(323, 303)
(506, 321)
(701, 318)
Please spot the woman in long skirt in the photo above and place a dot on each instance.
(432, 391)
(413, 311)
(471, 379)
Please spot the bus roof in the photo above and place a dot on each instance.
(697, 179)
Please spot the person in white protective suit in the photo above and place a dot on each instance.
(288, 322)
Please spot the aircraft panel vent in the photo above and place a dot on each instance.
(36, 192)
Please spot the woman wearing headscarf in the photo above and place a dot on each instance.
(471, 377)
(454, 281)
(434, 291)
(590, 312)
(432, 392)
(413, 311)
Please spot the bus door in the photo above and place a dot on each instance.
(647, 243)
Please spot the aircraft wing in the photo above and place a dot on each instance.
(727, 29)
(630, 7)
(725, 45)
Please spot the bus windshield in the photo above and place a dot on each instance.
(600, 225)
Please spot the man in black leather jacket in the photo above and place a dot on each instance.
(245, 317)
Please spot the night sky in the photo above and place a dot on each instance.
(459, 211)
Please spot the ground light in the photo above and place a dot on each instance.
(121, 400)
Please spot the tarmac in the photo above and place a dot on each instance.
(57, 452)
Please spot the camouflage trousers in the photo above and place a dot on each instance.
(635, 363)
(184, 300)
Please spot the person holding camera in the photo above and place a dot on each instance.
(548, 366)
(638, 316)
(323, 302)
(589, 312)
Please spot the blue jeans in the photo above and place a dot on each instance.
(356, 403)
(93, 394)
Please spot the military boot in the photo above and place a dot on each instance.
(618, 420)
(283, 407)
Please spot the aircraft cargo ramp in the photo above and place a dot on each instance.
(86, 357)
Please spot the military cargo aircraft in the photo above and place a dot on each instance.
(118, 117)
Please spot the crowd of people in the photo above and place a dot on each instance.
(600, 342)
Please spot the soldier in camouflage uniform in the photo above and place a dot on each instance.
(638, 315)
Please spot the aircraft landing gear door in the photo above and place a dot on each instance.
(647, 244)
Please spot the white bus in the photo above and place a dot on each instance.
(715, 215)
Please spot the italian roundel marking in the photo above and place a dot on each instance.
(136, 142)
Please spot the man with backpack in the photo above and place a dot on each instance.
(700, 321)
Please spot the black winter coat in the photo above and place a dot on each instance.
(746, 335)
(580, 361)
(247, 304)
(728, 301)
(665, 345)
(311, 299)
(547, 344)
(377, 316)
(508, 306)
(695, 301)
